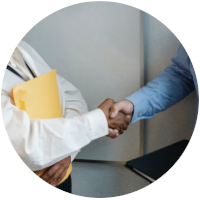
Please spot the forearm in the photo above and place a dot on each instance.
(165, 90)
(74, 104)
(41, 143)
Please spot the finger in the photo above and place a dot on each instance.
(124, 126)
(119, 106)
(108, 102)
(126, 123)
(50, 172)
(129, 118)
(110, 131)
(66, 162)
(38, 172)
(62, 175)
(124, 106)
(113, 133)
(114, 110)
(113, 136)
(116, 131)
(121, 130)
(116, 127)
(55, 177)
(115, 123)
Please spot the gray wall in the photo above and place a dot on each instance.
(109, 50)
(176, 123)
(96, 46)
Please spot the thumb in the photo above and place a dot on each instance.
(115, 109)
(123, 106)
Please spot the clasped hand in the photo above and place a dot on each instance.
(117, 120)
(118, 115)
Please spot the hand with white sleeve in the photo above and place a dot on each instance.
(118, 122)
(125, 107)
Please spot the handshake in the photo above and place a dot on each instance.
(118, 115)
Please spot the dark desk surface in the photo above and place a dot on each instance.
(104, 180)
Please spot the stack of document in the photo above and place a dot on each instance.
(39, 97)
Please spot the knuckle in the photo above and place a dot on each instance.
(49, 174)
(56, 176)
(109, 99)
(125, 126)
(57, 167)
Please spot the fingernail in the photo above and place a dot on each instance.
(54, 185)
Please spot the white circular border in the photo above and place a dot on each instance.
(181, 17)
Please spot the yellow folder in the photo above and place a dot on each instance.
(39, 97)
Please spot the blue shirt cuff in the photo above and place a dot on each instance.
(141, 106)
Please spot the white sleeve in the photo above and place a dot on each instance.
(74, 104)
(42, 142)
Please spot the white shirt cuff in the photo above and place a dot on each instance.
(98, 123)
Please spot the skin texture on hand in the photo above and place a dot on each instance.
(105, 107)
(54, 174)
(118, 123)
(125, 107)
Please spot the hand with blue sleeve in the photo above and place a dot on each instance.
(118, 123)
(165, 90)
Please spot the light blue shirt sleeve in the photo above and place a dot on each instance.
(168, 88)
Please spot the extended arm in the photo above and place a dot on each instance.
(42, 142)
(74, 104)
(168, 88)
